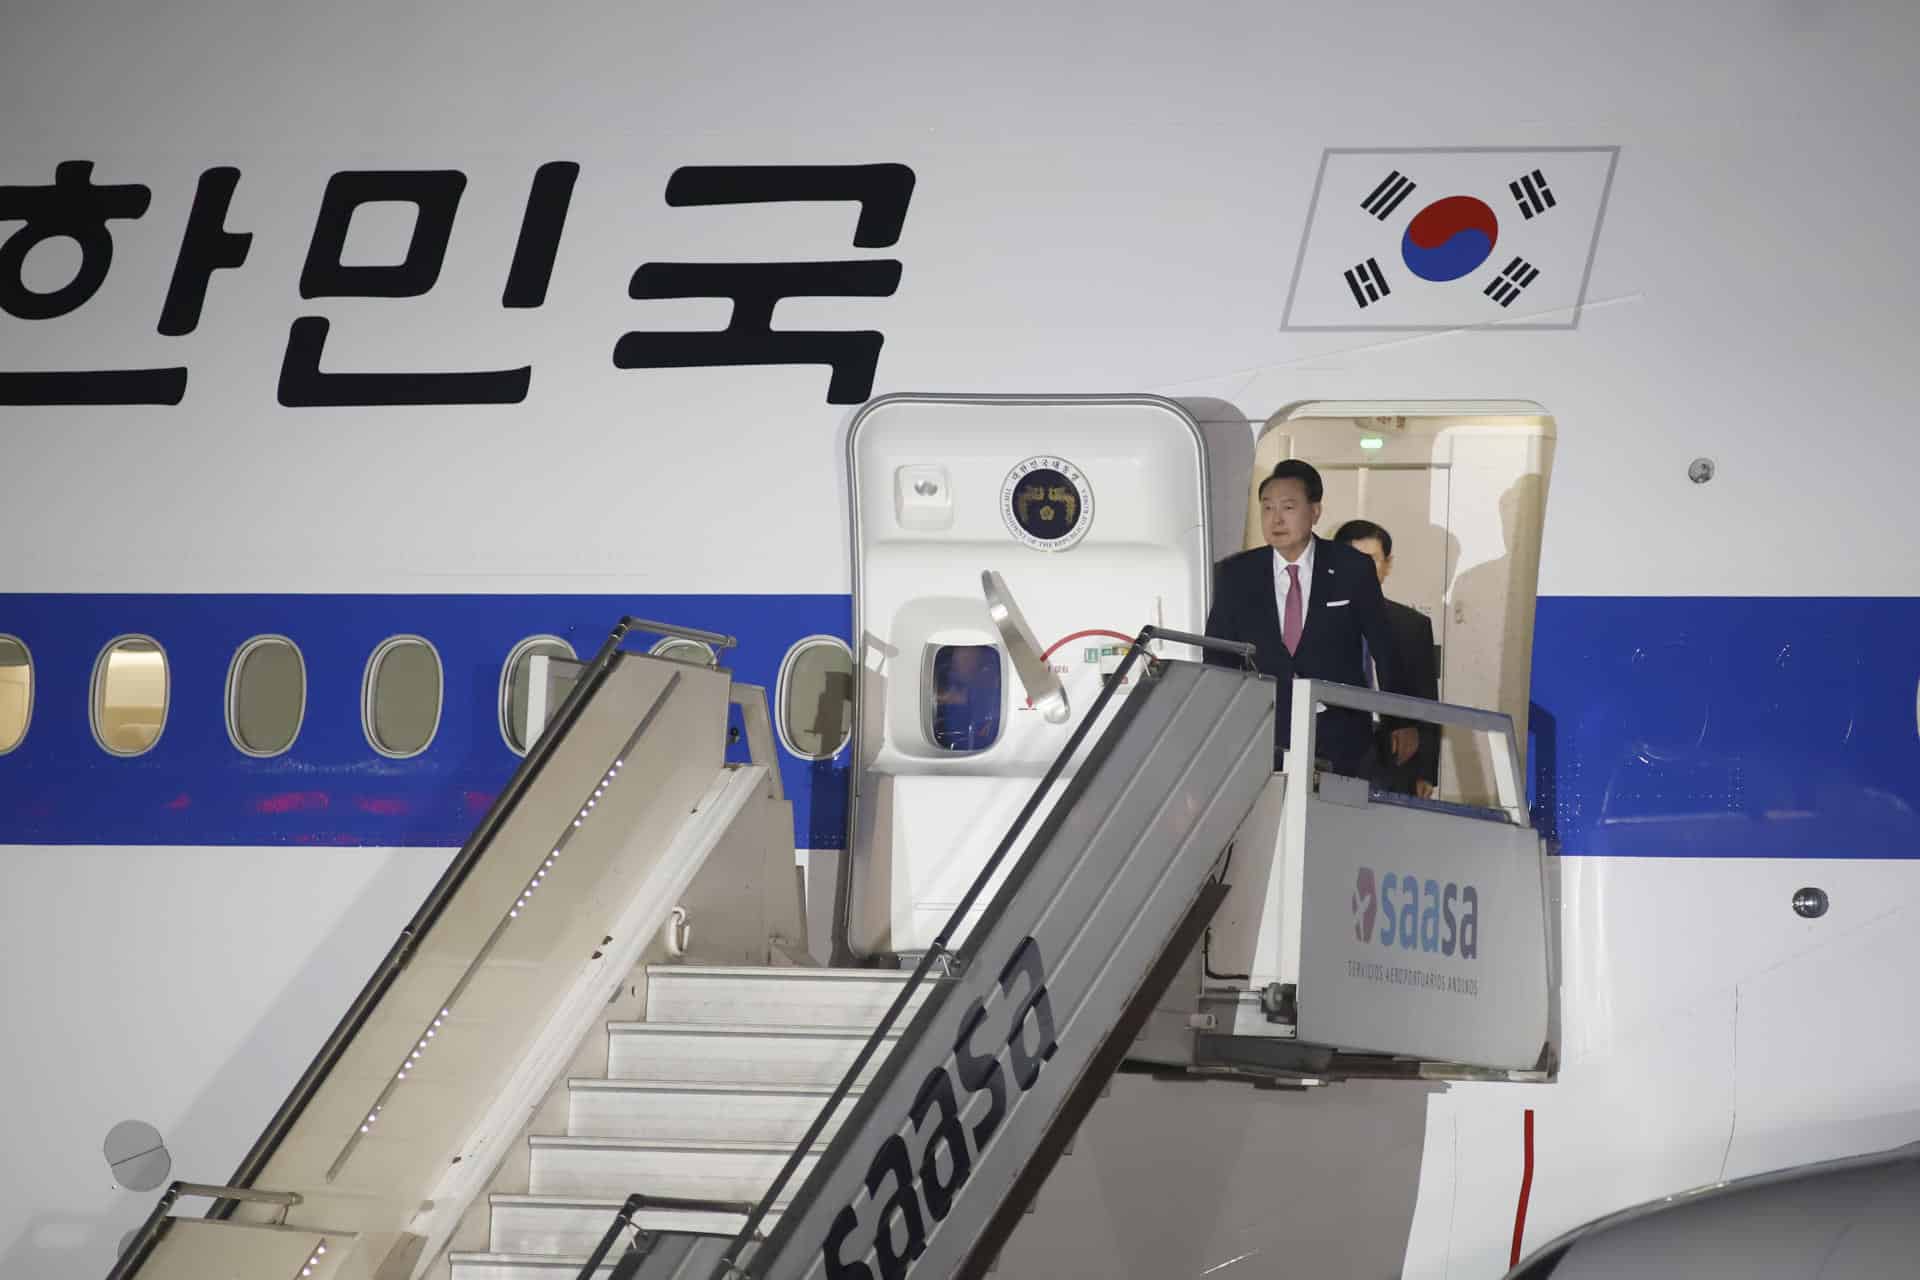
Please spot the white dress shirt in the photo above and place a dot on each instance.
(1280, 583)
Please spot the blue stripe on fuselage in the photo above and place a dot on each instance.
(1726, 727)
(1690, 727)
(331, 787)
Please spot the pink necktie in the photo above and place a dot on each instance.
(1290, 625)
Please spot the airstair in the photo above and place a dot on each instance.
(539, 1083)
(624, 819)
(701, 1104)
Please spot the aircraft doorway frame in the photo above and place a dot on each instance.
(1497, 460)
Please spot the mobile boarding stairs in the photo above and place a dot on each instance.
(774, 1120)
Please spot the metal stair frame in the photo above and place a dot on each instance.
(393, 1211)
(1110, 879)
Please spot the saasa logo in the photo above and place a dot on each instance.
(1364, 905)
(1417, 915)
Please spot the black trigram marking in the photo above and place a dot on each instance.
(1514, 277)
(1531, 194)
(1386, 197)
(1367, 283)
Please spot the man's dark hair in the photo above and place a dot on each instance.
(1294, 469)
(1354, 530)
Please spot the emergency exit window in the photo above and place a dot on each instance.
(965, 686)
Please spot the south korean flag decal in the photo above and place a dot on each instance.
(1449, 239)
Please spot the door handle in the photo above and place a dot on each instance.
(1042, 685)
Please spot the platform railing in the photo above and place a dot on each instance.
(1493, 728)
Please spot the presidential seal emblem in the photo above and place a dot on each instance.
(1047, 503)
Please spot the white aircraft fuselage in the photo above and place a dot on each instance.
(417, 323)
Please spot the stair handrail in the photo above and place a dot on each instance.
(429, 912)
(134, 1255)
(938, 952)
(714, 638)
(506, 918)
(636, 1202)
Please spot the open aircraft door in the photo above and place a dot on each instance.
(1461, 485)
(1092, 513)
(1368, 932)
(1138, 803)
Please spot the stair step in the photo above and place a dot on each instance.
(521, 1266)
(691, 1111)
(739, 995)
(525, 1266)
(573, 1225)
(608, 1167)
(721, 1053)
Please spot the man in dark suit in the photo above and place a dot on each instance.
(1310, 608)
(1409, 749)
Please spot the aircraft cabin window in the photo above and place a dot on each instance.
(400, 704)
(965, 688)
(515, 678)
(266, 695)
(814, 695)
(681, 649)
(129, 696)
(16, 692)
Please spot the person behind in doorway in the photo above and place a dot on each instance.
(1310, 608)
(1409, 750)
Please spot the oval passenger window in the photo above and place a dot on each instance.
(964, 688)
(681, 649)
(16, 692)
(516, 682)
(129, 702)
(401, 703)
(266, 695)
(815, 694)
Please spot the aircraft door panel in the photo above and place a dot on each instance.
(1087, 519)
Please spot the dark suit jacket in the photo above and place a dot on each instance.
(1413, 649)
(1343, 605)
